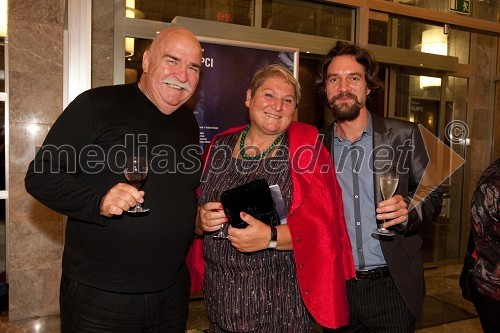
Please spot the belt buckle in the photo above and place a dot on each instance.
(369, 274)
(364, 274)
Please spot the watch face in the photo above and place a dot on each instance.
(272, 245)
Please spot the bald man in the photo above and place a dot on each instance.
(125, 272)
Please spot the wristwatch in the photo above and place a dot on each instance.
(273, 243)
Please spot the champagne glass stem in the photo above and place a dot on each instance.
(221, 233)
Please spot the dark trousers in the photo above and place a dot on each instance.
(488, 311)
(86, 309)
(376, 306)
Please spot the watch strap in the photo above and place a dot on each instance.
(274, 234)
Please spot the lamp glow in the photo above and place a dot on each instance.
(435, 42)
(129, 41)
(129, 8)
(429, 81)
(131, 11)
(3, 18)
(129, 46)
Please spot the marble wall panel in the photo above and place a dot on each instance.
(33, 293)
(480, 121)
(101, 82)
(35, 94)
(35, 48)
(102, 57)
(42, 248)
(483, 69)
(27, 138)
(479, 149)
(34, 98)
(40, 11)
(48, 324)
(103, 14)
(496, 120)
(102, 43)
(23, 207)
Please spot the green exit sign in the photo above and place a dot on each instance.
(460, 6)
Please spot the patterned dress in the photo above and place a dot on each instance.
(249, 292)
(485, 218)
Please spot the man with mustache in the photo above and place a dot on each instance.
(125, 272)
(388, 291)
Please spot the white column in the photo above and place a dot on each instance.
(77, 57)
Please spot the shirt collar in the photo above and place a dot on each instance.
(367, 131)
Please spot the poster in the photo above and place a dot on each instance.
(227, 70)
(425, 111)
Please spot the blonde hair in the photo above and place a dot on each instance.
(274, 71)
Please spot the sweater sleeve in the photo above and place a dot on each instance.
(52, 177)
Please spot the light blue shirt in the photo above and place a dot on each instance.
(353, 164)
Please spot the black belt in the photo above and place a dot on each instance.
(373, 274)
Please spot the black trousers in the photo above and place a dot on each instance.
(376, 306)
(87, 309)
(488, 311)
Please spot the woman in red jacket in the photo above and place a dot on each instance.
(274, 279)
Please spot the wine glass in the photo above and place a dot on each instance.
(136, 172)
(388, 183)
(222, 232)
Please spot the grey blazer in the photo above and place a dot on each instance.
(403, 251)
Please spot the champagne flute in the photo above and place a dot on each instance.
(136, 172)
(388, 183)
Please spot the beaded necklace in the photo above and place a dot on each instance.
(256, 157)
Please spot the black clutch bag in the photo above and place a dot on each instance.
(253, 198)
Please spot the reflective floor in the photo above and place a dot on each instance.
(444, 310)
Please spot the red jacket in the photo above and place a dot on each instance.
(321, 244)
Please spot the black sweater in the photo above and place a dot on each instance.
(82, 158)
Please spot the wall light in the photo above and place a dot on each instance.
(129, 8)
(436, 42)
(131, 11)
(129, 41)
(3, 18)
(129, 47)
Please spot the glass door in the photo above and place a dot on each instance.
(438, 103)
(3, 157)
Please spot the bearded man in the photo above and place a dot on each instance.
(389, 289)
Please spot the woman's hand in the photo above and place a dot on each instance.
(210, 218)
(256, 236)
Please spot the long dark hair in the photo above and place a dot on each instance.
(364, 57)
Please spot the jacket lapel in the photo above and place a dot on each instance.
(381, 136)
(327, 133)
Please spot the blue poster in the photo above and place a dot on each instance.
(219, 100)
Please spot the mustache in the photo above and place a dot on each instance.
(342, 95)
(174, 82)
